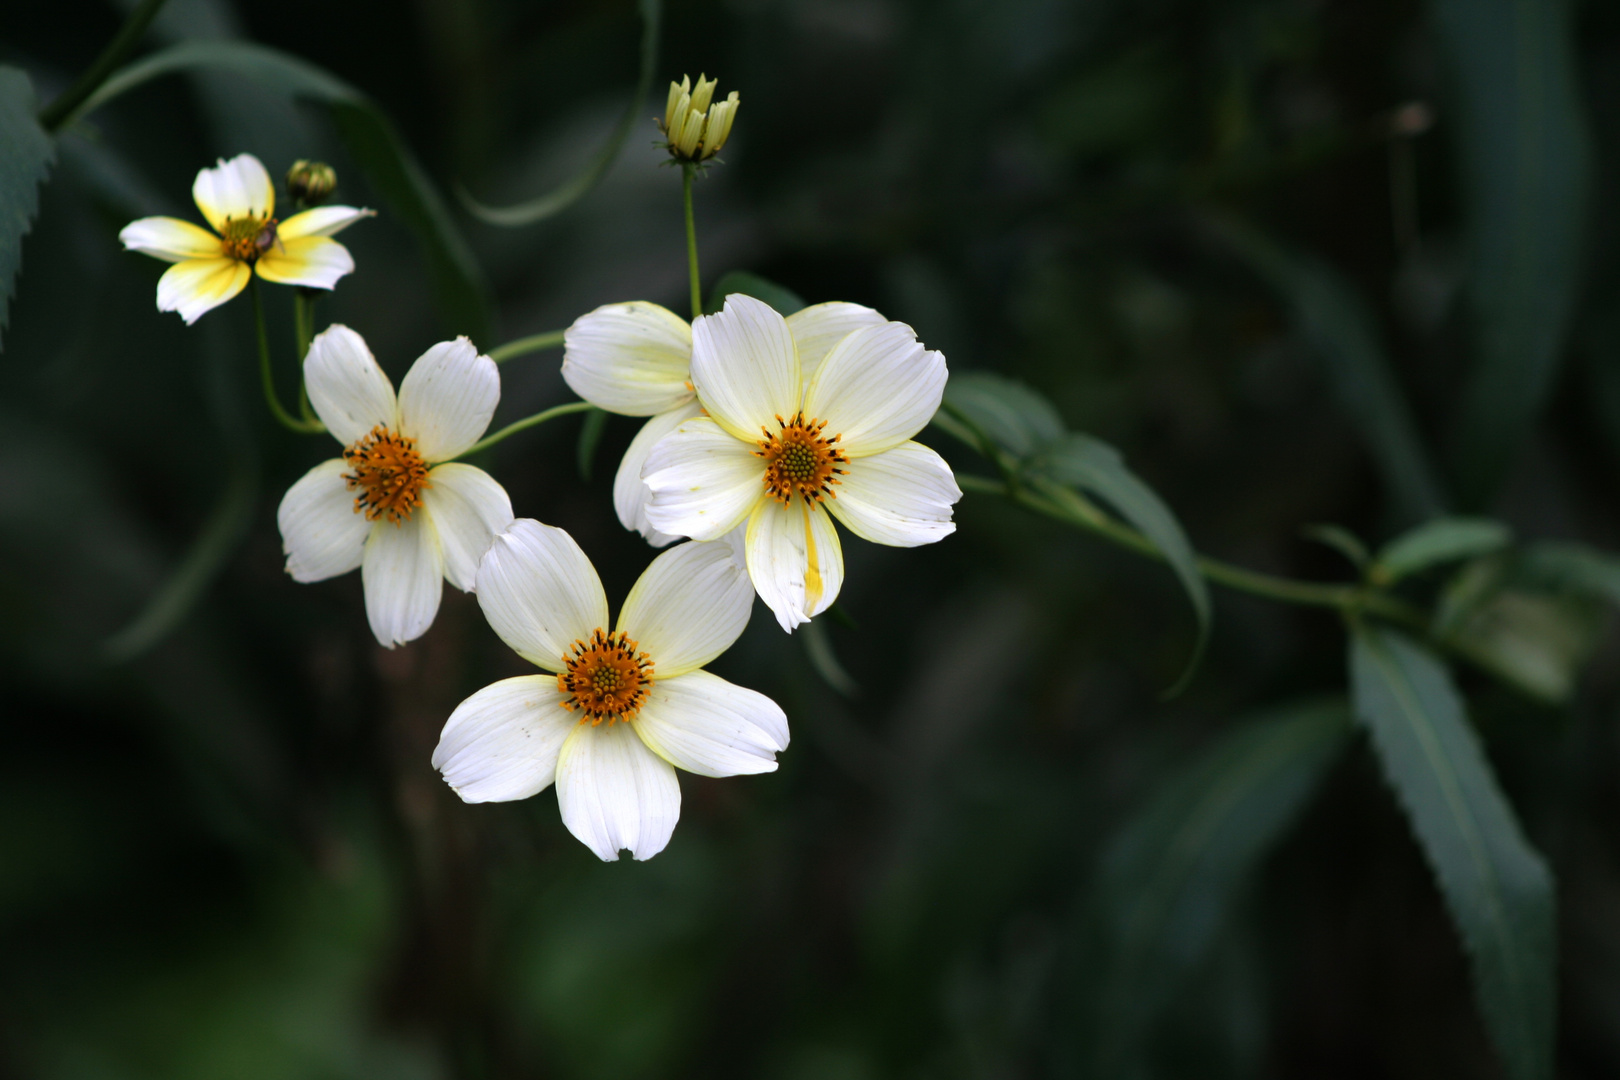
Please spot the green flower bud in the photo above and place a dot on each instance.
(310, 183)
(695, 128)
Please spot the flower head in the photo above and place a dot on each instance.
(695, 128)
(620, 710)
(395, 504)
(239, 202)
(310, 183)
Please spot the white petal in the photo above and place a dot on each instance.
(346, 386)
(794, 560)
(877, 388)
(321, 221)
(540, 593)
(633, 359)
(312, 261)
(688, 606)
(615, 793)
(745, 366)
(629, 490)
(701, 482)
(817, 328)
(403, 574)
(321, 533)
(502, 743)
(705, 725)
(170, 239)
(468, 509)
(198, 286)
(234, 189)
(447, 399)
(901, 497)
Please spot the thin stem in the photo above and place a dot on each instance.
(525, 345)
(267, 376)
(688, 170)
(527, 422)
(129, 35)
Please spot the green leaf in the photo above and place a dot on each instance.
(1575, 568)
(1342, 540)
(819, 651)
(1523, 156)
(369, 135)
(1014, 417)
(1172, 876)
(25, 161)
(1442, 540)
(783, 299)
(1496, 887)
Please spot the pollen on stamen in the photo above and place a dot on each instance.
(245, 239)
(799, 459)
(605, 678)
(388, 473)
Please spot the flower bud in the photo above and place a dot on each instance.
(695, 128)
(310, 183)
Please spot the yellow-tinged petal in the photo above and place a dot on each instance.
(305, 260)
(170, 239)
(322, 221)
(199, 285)
(233, 190)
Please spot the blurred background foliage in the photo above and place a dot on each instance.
(1303, 261)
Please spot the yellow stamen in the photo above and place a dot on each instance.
(799, 458)
(606, 679)
(389, 474)
(245, 239)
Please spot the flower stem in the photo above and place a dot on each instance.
(525, 345)
(267, 376)
(57, 112)
(527, 422)
(688, 170)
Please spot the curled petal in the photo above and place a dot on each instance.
(321, 533)
(312, 261)
(794, 559)
(633, 359)
(502, 743)
(198, 286)
(615, 793)
(170, 239)
(233, 190)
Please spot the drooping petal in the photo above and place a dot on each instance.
(170, 239)
(817, 328)
(615, 793)
(321, 534)
(233, 190)
(794, 560)
(403, 574)
(688, 606)
(502, 743)
(321, 221)
(197, 286)
(468, 509)
(629, 490)
(700, 481)
(745, 366)
(705, 725)
(312, 261)
(877, 388)
(634, 359)
(901, 497)
(347, 388)
(447, 399)
(540, 593)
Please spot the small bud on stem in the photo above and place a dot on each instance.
(310, 183)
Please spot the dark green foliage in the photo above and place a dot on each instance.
(24, 164)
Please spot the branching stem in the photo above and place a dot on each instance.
(526, 423)
(267, 377)
(525, 345)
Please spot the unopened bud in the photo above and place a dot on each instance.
(311, 183)
(695, 128)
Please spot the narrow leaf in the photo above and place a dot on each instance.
(26, 153)
(1016, 418)
(1443, 540)
(783, 299)
(1567, 567)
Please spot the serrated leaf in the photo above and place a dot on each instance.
(1496, 887)
(26, 152)
(1443, 540)
(1014, 417)
(783, 299)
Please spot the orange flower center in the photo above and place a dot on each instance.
(605, 678)
(245, 239)
(388, 473)
(799, 458)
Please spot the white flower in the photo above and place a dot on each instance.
(622, 709)
(635, 359)
(394, 504)
(779, 451)
(239, 201)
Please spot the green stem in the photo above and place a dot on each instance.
(267, 377)
(688, 169)
(525, 345)
(53, 115)
(527, 422)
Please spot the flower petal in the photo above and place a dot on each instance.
(311, 261)
(198, 286)
(447, 399)
(321, 533)
(321, 221)
(745, 366)
(502, 743)
(347, 388)
(170, 239)
(877, 388)
(633, 359)
(615, 793)
(540, 593)
(234, 189)
(688, 606)
(468, 509)
(705, 725)
(817, 328)
(794, 560)
(629, 490)
(403, 572)
(700, 481)
(901, 497)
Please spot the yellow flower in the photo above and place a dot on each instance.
(696, 130)
(238, 200)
